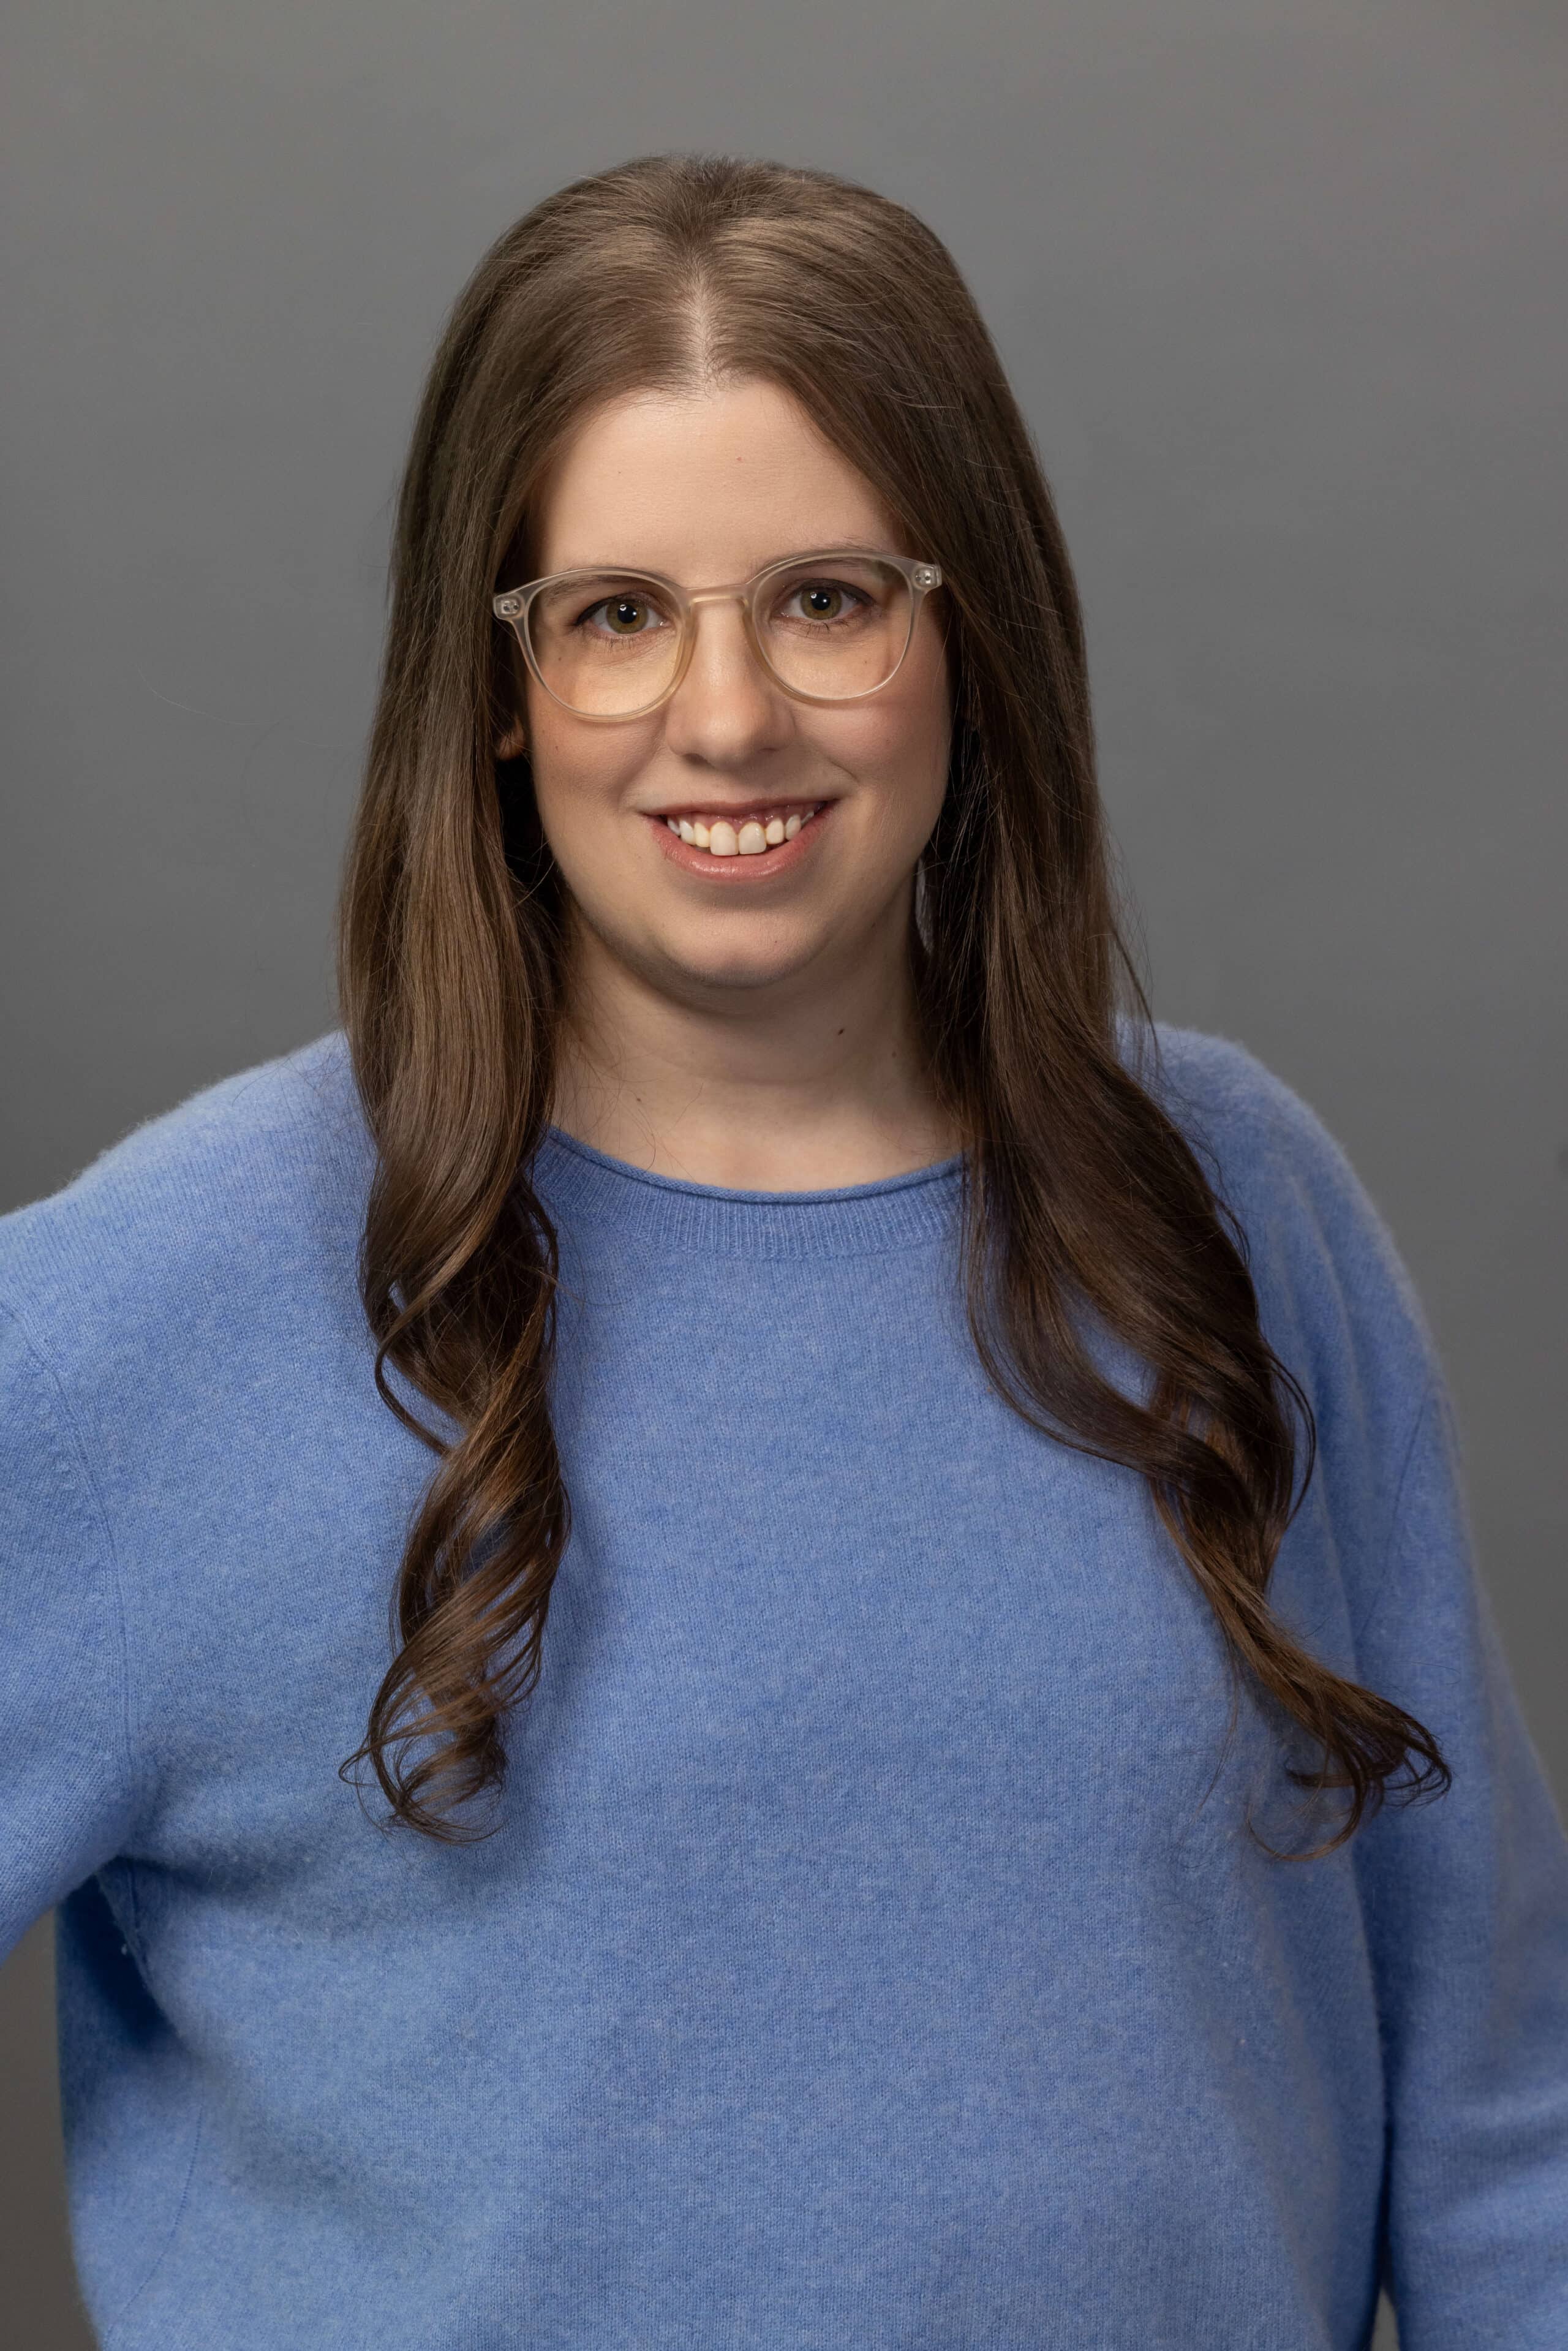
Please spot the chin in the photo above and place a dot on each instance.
(738, 964)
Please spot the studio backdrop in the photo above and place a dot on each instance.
(1280, 289)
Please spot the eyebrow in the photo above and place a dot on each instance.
(800, 554)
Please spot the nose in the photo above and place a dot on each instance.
(726, 709)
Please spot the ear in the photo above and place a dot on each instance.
(512, 743)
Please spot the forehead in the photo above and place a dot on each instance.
(704, 485)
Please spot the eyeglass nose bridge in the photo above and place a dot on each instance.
(743, 592)
(739, 592)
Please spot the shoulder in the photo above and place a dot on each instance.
(1269, 1157)
(1336, 1300)
(206, 1218)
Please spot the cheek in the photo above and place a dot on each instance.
(580, 773)
(897, 748)
(920, 720)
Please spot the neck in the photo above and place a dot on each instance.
(802, 1085)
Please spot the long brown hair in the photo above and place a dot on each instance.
(1084, 1205)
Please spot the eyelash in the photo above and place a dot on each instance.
(852, 596)
(587, 614)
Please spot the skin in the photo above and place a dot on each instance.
(731, 1027)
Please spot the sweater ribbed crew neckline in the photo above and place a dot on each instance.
(582, 1184)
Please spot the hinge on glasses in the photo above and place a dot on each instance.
(927, 575)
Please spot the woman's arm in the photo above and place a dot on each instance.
(1464, 1897)
(1465, 1901)
(67, 1786)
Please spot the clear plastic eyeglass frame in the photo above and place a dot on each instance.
(514, 604)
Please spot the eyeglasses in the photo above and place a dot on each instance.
(826, 628)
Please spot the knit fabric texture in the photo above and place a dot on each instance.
(877, 1946)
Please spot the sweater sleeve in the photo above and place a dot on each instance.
(66, 1790)
(1465, 1901)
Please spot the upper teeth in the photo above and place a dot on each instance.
(749, 839)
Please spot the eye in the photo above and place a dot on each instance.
(622, 616)
(821, 601)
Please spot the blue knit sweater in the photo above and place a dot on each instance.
(870, 1954)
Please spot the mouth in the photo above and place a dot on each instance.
(756, 837)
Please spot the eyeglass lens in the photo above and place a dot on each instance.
(608, 644)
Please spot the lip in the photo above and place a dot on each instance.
(728, 873)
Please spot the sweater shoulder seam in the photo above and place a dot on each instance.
(1424, 1403)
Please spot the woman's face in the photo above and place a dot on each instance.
(707, 488)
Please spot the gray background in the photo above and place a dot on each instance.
(1281, 288)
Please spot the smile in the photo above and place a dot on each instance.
(759, 832)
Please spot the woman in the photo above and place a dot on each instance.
(995, 1845)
